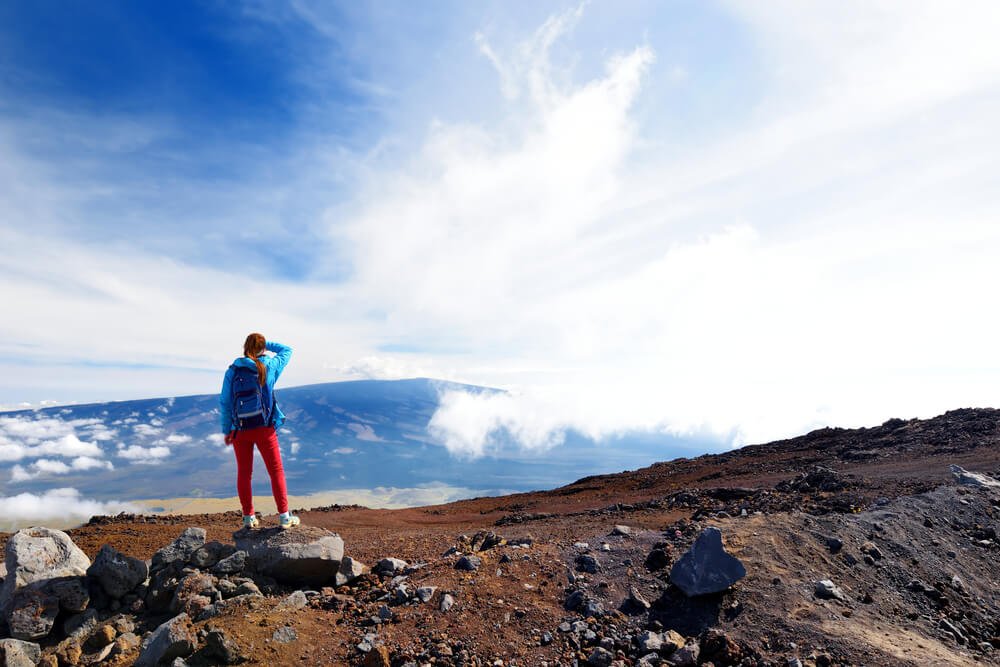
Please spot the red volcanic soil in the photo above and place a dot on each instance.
(930, 597)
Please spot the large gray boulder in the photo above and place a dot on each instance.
(45, 571)
(38, 554)
(706, 567)
(181, 549)
(117, 573)
(174, 639)
(305, 555)
(16, 653)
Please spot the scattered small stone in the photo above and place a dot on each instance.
(468, 563)
(377, 657)
(174, 638)
(574, 600)
(834, 544)
(587, 563)
(634, 604)
(447, 602)
(622, 530)
(425, 593)
(827, 590)
(600, 657)
(390, 566)
(296, 600)
(657, 559)
(285, 634)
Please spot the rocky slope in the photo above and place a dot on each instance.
(859, 547)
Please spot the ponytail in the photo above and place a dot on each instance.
(252, 349)
(261, 371)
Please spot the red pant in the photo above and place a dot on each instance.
(267, 442)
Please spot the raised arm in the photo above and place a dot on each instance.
(225, 403)
(282, 353)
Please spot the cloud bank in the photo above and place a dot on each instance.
(58, 508)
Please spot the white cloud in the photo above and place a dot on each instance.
(52, 467)
(345, 450)
(146, 429)
(25, 437)
(175, 439)
(43, 467)
(90, 463)
(59, 508)
(144, 455)
(364, 432)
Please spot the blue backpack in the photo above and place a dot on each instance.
(253, 404)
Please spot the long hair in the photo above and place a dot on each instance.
(252, 348)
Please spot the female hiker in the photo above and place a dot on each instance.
(250, 416)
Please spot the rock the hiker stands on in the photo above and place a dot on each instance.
(305, 555)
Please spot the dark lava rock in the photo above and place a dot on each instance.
(468, 563)
(117, 573)
(587, 563)
(657, 560)
(706, 567)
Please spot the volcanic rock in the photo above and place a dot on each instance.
(17, 653)
(175, 638)
(117, 573)
(657, 559)
(485, 540)
(390, 566)
(211, 553)
(587, 563)
(468, 563)
(221, 647)
(349, 571)
(827, 590)
(32, 613)
(634, 604)
(193, 594)
(231, 564)
(966, 478)
(306, 555)
(48, 563)
(181, 549)
(706, 567)
(600, 657)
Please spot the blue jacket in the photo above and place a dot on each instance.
(274, 366)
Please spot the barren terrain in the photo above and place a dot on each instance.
(876, 511)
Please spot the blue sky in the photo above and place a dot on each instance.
(669, 216)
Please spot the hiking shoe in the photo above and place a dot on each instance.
(289, 521)
(250, 522)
